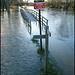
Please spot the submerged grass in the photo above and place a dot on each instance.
(53, 69)
(41, 52)
(35, 41)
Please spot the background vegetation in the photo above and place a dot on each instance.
(60, 5)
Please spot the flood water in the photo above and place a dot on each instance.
(61, 42)
(19, 55)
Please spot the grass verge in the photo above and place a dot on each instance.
(53, 69)
(35, 41)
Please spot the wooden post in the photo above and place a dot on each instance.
(40, 28)
(46, 51)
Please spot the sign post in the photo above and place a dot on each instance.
(46, 51)
(40, 28)
(47, 33)
(39, 4)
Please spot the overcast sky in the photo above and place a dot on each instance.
(32, 0)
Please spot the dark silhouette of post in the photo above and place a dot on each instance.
(40, 28)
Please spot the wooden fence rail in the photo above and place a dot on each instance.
(26, 19)
(44, 21)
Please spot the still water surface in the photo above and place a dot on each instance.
(18, 53)
(61, 42)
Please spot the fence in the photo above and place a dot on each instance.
(44, 21)
(26, 19)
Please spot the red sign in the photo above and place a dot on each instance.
(39, 5)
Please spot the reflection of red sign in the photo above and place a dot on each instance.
(39, 5)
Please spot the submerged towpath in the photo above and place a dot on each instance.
(18, 53)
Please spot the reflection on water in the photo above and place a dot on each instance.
(65, 29)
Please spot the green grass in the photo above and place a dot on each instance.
(35, 41)
(53, 69)
(41, 52)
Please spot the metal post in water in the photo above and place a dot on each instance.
(46, 51)
(40, 28)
